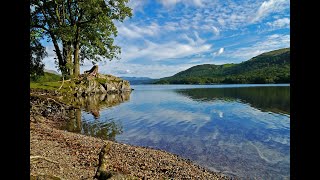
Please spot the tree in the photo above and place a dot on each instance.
(85, 29)
(37, 53)
(44, 20)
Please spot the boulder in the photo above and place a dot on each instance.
(92, 82)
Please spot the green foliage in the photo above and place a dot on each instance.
(270, 67)
(101, 80)
(37, 53)
(47, 77)
(84, 28)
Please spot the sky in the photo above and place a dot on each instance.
(164, 37)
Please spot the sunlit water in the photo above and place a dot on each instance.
(241, 130)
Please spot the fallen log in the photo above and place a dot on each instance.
(93, 71)
(102, 172)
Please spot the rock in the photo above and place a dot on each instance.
(94, 83)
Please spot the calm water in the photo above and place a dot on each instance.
(241, 130)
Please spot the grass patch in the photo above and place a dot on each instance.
(53, 86)
(47, 77)
(102, 80)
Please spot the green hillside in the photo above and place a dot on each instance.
(269, 67)
(47, 77)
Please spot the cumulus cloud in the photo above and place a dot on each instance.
(173, 49)
(135, 31)
(172, 3)
(185, 36)
(137, 5)
(220, 51)
(171, 26)
(268, 7)
(121, 68)
(272, 42)
(216, 31)
(280, 23)
(154, 51)
(122, 72)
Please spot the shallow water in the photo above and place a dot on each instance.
(236, 129)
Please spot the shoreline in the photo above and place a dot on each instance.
(59, 154)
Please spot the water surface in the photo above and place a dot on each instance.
(241, 130)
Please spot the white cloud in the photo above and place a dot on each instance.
(120, 72)
(122, 68)
(163, 37)
(272, 42)
(280, 23)
(198, 2)
(169, 50)
(172, 3)
(171, 26)
(268, 7)
(137, 5)
(216, 31)
(49, 64)
(221, 50)
(135, 31)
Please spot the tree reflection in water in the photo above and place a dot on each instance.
(273, 99)
(107, 129)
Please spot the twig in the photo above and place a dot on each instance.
(65, 80)
(32, 158)
(46, 175)
(62, 83)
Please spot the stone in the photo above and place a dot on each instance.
(93, 82)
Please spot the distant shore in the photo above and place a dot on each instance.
(58, 154)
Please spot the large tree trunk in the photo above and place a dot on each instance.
(76, 62)
(67, 55)
(69, 62)
(61, 60)
(78, 118)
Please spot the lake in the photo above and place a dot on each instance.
(241, 130)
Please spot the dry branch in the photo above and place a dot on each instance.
(102, 172)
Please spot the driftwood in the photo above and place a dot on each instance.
(35, 159)
(61, 83)
(93, 71)
(102, 172)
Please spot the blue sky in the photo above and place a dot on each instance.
(167, 36)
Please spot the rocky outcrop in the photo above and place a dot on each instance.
(94, 83)
(113, 84)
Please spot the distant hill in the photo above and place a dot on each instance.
(269, 67)
(48, 77)
(52, 72)
(139, 80)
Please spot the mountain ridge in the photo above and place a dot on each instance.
(268, 67)
(139, 80)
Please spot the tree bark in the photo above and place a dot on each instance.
(76, 61)
(55, 44)
(61, 60)
(93, 71)
(67, 56)
(77, 113)
(102, 172)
